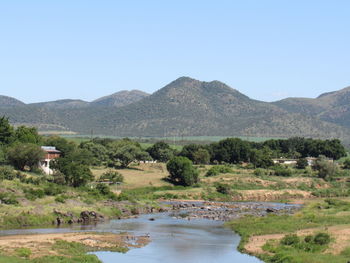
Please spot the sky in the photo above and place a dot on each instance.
(86, 49)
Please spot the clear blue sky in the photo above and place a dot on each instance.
(267, 49)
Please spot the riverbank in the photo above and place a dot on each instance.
(261, 236)
(63, 247)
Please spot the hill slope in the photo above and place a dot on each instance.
(191, 107)
(6, 101)
(121, 98)
(331, 107)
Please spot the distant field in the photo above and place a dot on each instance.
(173, 140)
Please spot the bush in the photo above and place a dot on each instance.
(32, 194)
(218, 169)
(259, 172)
(322, 239)
(8, 198)
(23, 252)
(302, 163)
(223, 188)
(281, 171)
(290, 240)
(182, 171)
(112, 176)
(7, 173)
(52, 190)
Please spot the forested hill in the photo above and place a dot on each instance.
(185, 107)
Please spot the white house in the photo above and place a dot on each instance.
(50, 154)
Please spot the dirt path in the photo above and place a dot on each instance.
(41, 244)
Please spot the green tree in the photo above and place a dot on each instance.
(302, 163)
(161, 151)
(25, 134)
(76, 174)
(61, 144)
(25, 155)
(6, 131)
(98, 151)
(182, 171)
(129, 153)
(201, 156)
(261, 158)
(231, 150)
(346, 164)
(325, 168)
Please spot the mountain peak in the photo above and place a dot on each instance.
(120, 98)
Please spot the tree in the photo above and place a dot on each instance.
(189, 150)
(25, 134)
(129, 153)
(98, 151)
(161, 151)
(347, 164)
(201, 156)
(61, 144)
(6, 131)
(231, 150)
(326, 169)
(302, 163)
(25, 155)
(182, 171)
(76, 174)
(261, 158)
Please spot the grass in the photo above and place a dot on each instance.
(315, 214)
(69, 252)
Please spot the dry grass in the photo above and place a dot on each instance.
(142, 175)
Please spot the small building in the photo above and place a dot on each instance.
(50, 154)
(285, 161)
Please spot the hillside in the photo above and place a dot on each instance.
(331, 107)
(185, 107)
(191, 107)
(6, 101)
(120, 98)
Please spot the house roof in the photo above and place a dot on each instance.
(50, 149)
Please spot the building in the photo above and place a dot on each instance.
(50, 154)
(285, 161)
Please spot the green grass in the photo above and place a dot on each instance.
(316, 214)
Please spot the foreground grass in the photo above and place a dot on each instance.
(317, 214)
(67, 252)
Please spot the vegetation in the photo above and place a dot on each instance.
(295, 246)
(182, 172)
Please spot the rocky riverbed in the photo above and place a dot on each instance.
(226, 211)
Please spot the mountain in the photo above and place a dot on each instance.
(9, 102)
(184, 107)
(120, 98)
(62, 104)
(332, 107)
(191, 108)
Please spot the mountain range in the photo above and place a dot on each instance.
(189, 107)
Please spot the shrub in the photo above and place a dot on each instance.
(23, 252)
(8, 198)
(302, 163)
(223, 188)
(259, 172)
(290, 240)
(52, 190)
(322, 239)
(7, 173)
(112, 176)
(281, 171)
(182, 171)
(32, 194)
(218, 169)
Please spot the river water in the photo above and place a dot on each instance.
(177, 240)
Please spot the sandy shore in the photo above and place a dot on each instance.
(41, 244)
